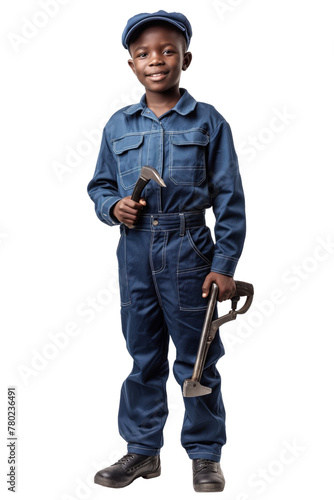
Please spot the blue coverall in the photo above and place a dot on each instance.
(165, 258)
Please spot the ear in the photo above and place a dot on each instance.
(132, 65)
(187, 60)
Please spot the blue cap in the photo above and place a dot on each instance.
(178, 20)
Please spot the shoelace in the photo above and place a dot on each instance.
(124, 460)
(205, 463)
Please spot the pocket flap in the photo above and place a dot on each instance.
(126, 143)
(189, 138)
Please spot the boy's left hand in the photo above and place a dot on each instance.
(225, 284)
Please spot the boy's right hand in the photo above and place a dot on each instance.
(128, 211)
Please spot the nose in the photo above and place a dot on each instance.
(156, 60)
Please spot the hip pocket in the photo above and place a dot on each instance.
(128, 152)
(122, 269)
(196, 249)
(187, 158)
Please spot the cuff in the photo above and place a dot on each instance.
(106, 211)
(224, 265)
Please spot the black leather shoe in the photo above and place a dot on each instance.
(207, 475)
(127, 469)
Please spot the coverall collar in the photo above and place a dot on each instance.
(185, 105)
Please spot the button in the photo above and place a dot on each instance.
(155, 222)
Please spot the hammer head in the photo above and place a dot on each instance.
(192, 388)
(150, 173)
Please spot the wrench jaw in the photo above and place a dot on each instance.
(192, 389)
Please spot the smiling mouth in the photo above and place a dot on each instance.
(157, 75)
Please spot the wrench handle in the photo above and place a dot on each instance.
(204, 339)
(244, 289)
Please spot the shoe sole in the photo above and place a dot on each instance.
(209, 488)
(102, 481)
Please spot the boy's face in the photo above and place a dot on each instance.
(158, 58)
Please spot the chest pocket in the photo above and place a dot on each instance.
(187, 158)
(128, 151)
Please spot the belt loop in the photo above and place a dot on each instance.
(182, 225)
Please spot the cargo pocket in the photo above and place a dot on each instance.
(187, 157)
(190, 289)
(194, 264)
(122, 269)
(128, 151)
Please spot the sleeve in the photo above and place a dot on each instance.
(102, 189)
(227, 198)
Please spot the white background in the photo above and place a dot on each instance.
(63, 75)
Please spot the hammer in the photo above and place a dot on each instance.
(147, 173)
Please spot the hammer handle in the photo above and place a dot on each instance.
(138, 189)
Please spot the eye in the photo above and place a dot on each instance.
(142, 55)
(168, 51)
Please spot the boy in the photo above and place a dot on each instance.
(167, 259)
